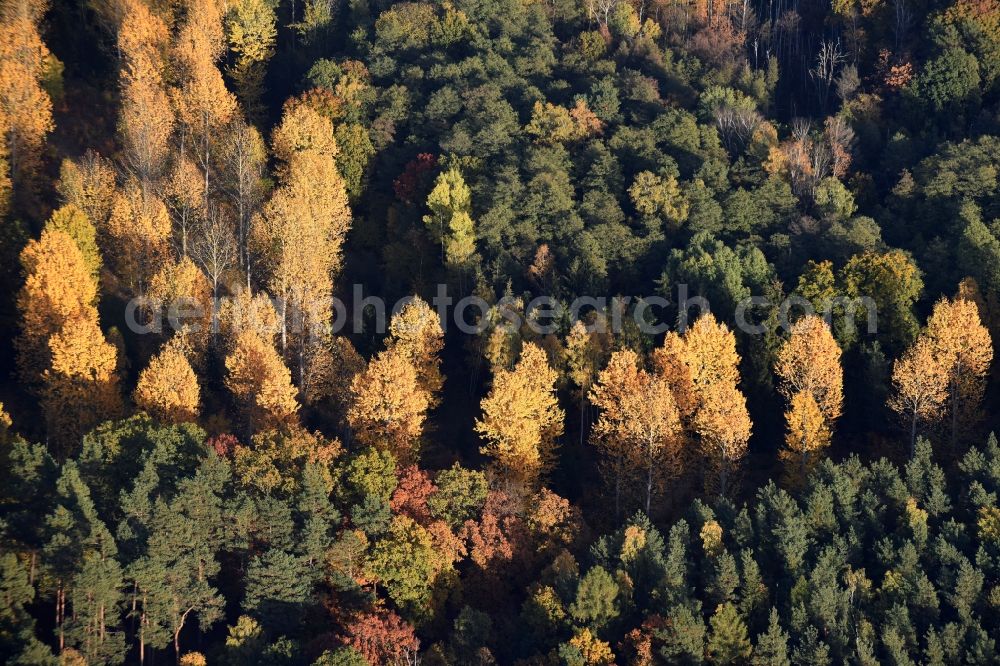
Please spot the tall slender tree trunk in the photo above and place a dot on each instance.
(649, 482)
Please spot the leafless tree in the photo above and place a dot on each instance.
(828, 59)
(736, 126)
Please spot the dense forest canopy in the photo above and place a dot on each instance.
(580, 332)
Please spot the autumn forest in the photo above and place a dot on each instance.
(531, 332)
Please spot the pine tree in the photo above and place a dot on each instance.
(772, 646)
(727, 640)
(80, 555)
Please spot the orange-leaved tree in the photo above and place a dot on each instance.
(59, 288)
(808, 434)
(260, 382)
(81, 385)
(811, 378)
(25, 107)
(720, 420)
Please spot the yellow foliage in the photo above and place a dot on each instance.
(59, 288)
(807, 436)
(639, 423)
(72, 221)
(260, 381)
(88, 184)
(168, 388)
(137, 234)
(809, 362)
(389, 407)
(920, 383)
(595, 652)
(25, 107)
(416, 333)
(81, 386)
(963, 347)
(521, 417)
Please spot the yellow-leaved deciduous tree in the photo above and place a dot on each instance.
(587, 347)
(88, 184)
(639, 426)
(810, 361)
(72, 221)
(300, 232)
(389, 406)
(260, 382)
(243, 158)
(185, 196)
(920, 385)
(807, 436)
(80, 387)
(180, 296)
(168, 387)
(251, 32)
(248, 312)
(808, 366)
(146, 120)
(723, 426)
(59, 288)
(450, 222)
(720, 421)
(204, 105)
(136, 237)
(415, 332)
(965, 349)
(522, 418)
(25, 107)
(669, 361)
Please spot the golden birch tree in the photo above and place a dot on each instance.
(522, 418)
(415, 332)
(168, 387)
(639, 426)
(389, 407)
(920, 385)
(963, 346)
